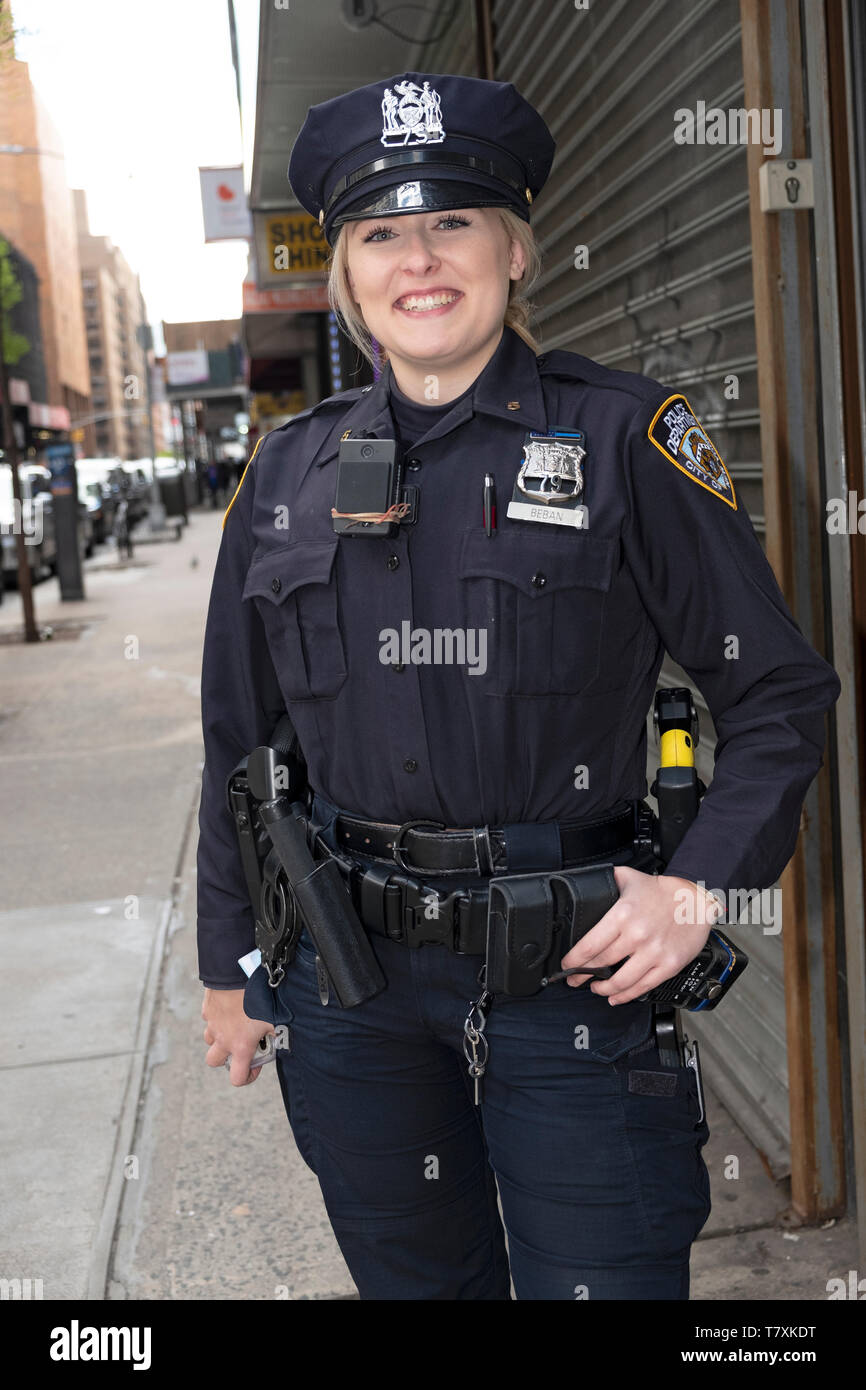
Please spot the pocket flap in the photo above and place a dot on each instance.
(277, 573)
(539, 564)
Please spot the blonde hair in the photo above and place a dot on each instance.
(518, 310)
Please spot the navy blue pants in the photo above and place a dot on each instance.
(595, 1149)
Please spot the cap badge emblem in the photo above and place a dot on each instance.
(412, 118)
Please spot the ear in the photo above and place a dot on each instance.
(517, 265)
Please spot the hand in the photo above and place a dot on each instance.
(229, 1030)
(659, 922)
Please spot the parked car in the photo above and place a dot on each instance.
(169, 468)
(36, 520)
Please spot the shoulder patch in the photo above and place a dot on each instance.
(259, 443)
(677, 433)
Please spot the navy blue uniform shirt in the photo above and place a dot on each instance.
(575, 624)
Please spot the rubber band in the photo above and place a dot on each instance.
(395, 512)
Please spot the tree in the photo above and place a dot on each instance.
(13, 346)
(7, 34)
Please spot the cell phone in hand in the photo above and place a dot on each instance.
(265, 1052)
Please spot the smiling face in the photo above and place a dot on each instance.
(433, 286)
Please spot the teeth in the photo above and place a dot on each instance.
(428, 301)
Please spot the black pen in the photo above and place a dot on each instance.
(489, 504)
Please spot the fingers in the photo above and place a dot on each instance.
(239, 1072)
(216, 1055)
(636, 969)
(590, 949)
(627, 877)
(655, 976)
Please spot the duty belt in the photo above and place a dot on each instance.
(432, 849)
(396, 905)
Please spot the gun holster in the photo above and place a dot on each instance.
(289, 889)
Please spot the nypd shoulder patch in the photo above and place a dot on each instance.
(678, 434)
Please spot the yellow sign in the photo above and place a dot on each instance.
(295, 244)
(265, 404)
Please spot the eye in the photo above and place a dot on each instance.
(377, 233)
(374, 232)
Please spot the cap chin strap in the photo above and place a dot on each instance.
(406, 159)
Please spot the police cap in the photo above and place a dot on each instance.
(420, 141)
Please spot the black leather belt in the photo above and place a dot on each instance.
(422, 846)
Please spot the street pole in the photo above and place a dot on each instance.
(156, 517)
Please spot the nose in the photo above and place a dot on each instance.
(418, 254)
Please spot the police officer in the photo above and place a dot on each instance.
(470, 693)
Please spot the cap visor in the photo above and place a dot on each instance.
(422, 195)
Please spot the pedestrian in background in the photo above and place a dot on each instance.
(122, 529)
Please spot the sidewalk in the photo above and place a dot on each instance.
(133, 1170)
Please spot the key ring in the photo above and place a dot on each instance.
(473, 1038)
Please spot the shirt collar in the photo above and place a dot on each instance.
(508, 388)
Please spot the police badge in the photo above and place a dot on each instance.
(549, 484)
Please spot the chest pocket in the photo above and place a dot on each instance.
(541, 599)
(295, 591)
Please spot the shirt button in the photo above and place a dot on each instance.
(539, 580)
(414, 464)
(393, 561)
(397, 666)
(410, 765)
(276, 585)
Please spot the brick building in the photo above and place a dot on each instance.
(37, 216)
(114, 312)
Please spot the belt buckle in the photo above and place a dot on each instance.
(481, 841)
(402, 830)
(420, 930)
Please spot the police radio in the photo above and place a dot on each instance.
(371, 498)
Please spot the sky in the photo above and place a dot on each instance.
(143, 94)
